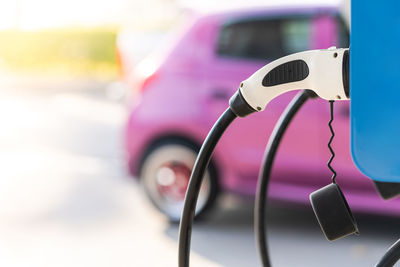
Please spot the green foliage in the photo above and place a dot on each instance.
(77, 51)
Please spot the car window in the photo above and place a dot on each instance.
(343, 33)
(264, 39)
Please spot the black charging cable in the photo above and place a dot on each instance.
(201, 164)
(202, 161)
(265, 173)
(192, 193)
(391, 256)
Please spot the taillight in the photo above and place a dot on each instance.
(146, 81)
(146, 74)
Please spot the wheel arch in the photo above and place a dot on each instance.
(177, 138)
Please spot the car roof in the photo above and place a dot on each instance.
(232, 8)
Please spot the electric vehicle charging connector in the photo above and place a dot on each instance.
(323, 71)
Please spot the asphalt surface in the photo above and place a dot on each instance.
(66, 199)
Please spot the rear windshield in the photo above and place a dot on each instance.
(269, 39)
(249, 39)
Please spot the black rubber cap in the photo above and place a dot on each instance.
(387, 190)
(333, 213)
(239, 106)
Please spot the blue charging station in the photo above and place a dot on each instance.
(375, 88)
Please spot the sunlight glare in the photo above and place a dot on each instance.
(42, 14)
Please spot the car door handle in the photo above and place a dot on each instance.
(219, 94)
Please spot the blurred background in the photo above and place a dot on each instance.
(104, 105)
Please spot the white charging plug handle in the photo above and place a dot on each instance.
(318, 70)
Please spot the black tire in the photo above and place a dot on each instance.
(179, 152)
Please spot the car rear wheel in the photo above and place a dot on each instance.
(165, 174)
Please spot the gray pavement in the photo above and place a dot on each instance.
(66, 200)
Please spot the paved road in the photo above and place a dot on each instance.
(66, 200)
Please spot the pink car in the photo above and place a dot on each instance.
(180, 95)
